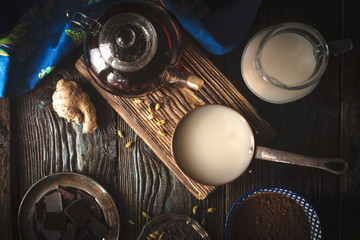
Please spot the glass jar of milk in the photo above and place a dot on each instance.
(283, 63)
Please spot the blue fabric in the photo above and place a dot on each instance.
(220, 31)
(41, 38)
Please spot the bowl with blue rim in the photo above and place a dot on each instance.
(293, 199)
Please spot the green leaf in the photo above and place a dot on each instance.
(6, 41)
(3, 53)
(76, 36)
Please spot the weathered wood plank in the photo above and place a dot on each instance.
(137, 116)
(5, 189)
(350, 184)
(48, 144)
(175, 104)
(310, 126)
(139, 181)
(145, 184)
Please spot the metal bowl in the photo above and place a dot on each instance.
(310, 212)
(175, 223)
(39, 189)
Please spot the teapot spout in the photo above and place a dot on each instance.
(179, 76)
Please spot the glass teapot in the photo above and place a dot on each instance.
(132, 49)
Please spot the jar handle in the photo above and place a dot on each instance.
(82, 22)
(340, 46)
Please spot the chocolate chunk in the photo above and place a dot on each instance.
(55, 221)
(40, 208)
(87, 236)
(86, 198)
(65, 193)
(39, 226)
(68, 197)
(71, 190)
(53, 202)
(78, 213)
(70, 233)
(41, 236)
(69, 214)
(97, 229)
(39, 231)
(51, 235)
(97, 212)
(81, 231)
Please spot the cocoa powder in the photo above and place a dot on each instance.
(270, 216)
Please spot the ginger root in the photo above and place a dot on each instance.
(71, 103)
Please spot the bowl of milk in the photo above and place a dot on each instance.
(285, 62)
(214, 145)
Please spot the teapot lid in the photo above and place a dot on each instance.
(127, 42)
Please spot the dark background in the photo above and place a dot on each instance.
(323, 124)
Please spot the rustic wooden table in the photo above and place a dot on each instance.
(35, 142)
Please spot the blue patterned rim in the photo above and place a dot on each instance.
(310, 212)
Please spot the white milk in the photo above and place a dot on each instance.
(288, 57)
(213, 145)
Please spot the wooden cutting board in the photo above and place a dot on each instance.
(175, 103)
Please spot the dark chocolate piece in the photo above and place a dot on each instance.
(70, 233)
(65, 193)
(68, 197)
(71, 190)
(55, 221)
(87, 236)
(78, 213)
(39, 229)
(97, 229)
(86, 198)
(39, 225)
(81, 231)
(40, 208)
(53, 211)
(51, 235)
(41, 236)
(53, 202)
(97, 212)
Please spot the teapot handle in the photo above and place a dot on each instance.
(179, 76)
(82, 22)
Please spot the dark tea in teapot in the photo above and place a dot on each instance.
(132, 49)
(142, 40)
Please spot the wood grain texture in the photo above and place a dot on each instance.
(5, 182)
(309, 126)
(323, 124)
(49, 144)
(350, 184)
(135, 177)
(175, 104)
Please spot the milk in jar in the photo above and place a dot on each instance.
(288, 57)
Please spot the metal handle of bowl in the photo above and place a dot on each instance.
(333, 165)
(80, 21)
